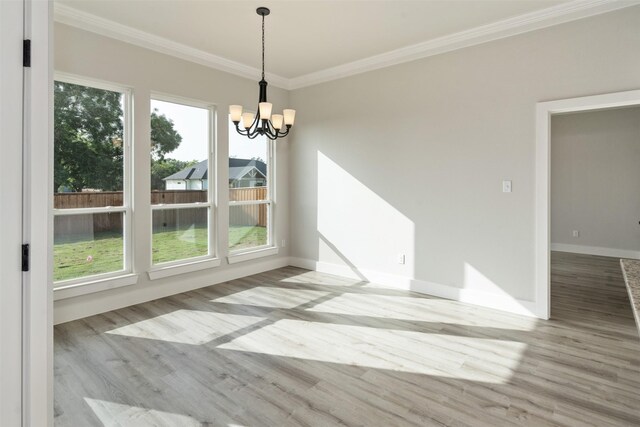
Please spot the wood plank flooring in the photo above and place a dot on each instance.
(292, 347)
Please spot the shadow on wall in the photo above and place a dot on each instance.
(357, 225)
(333, 249)
(362, 234)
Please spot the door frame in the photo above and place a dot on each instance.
(37, 218)
(544, 111)
(11, 277)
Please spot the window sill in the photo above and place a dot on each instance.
(188, 267)
(77, 289)
(247, 256)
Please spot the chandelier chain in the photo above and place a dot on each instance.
(262, 47)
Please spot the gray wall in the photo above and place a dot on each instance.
(595, 180)
(411, 158)
(90, 55)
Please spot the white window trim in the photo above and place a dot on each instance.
(254, 253)
(187, 265)
(70, 290)
(98, 282)
(193, 265)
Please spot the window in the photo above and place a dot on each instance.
(250, 192)
(181, 191)
(92, 205)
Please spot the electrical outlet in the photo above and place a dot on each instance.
(576, 233)
(284, 243)
(506, 186)
(401, 258)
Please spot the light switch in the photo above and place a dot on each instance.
(506, 186)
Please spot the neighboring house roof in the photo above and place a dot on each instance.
(237, 169)
(195, 172)
(261, 166)
(239, 172)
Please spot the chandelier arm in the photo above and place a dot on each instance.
(285, 133)
(254, 125)
(269, 127)
(239, 130)
(270, 135)
(282, 133)
(274, 133)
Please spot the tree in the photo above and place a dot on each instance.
(164, 138)
(88, 135)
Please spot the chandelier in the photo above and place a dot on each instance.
(273, 126)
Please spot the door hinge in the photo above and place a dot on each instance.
(26, 53)
(25, 257)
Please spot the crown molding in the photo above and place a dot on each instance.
(566, 12)
(559, 14)
(95, 24)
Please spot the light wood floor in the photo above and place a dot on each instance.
(292, 347)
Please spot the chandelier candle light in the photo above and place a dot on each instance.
(264, 123)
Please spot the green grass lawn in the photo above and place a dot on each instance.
(179, 244)
(72, 259)
(104, 254)
(242, 237)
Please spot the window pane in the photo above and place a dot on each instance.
(179, 153)
(84, 245)
(180, 234)
(247, 167)
(88, 146)
(248, 226)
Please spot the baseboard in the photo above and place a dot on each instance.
(480, 298)
(595, 250)
(102, 302)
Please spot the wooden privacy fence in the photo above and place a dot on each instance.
(248, 214)
(66, 225)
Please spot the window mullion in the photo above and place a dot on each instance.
(169, 206)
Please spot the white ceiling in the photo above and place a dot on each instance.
(304, 36)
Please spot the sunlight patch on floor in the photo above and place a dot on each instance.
(266, 296)
(187, 326)
(467, 358)
(416, 309)
(314, 278)
(117, 414)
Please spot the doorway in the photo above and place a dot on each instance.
(544, 113)
(594, 212)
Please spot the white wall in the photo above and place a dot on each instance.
(172, 184)
(90, 55)
(595, 182)
(410, 159)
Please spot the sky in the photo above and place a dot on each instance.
(192, 124)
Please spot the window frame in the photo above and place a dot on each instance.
(211, 259)
(126, 273)
(270, 247)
